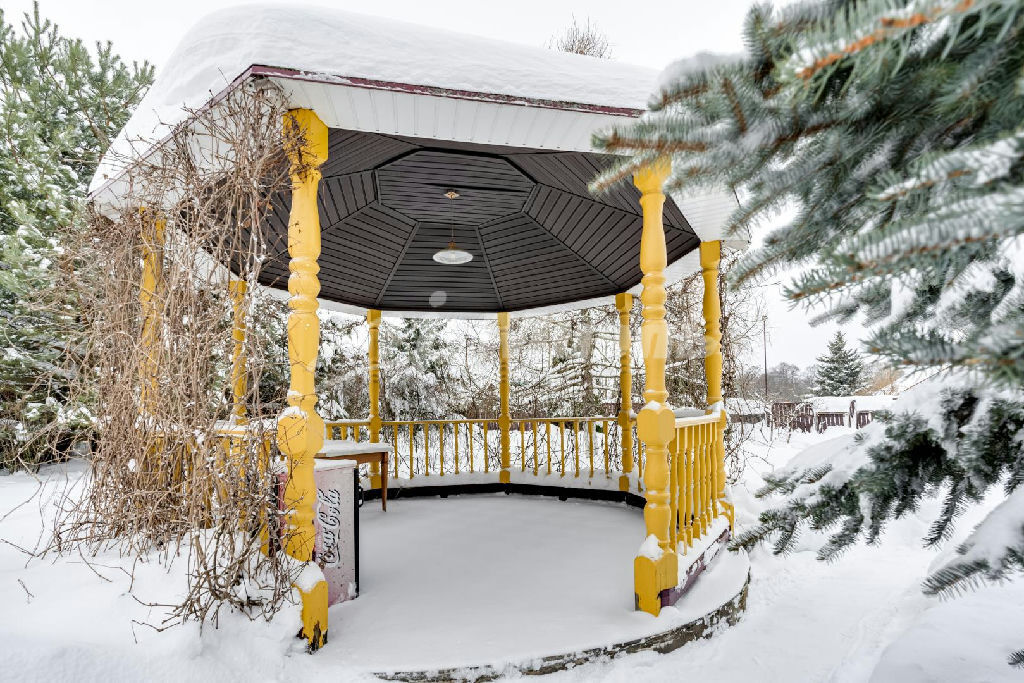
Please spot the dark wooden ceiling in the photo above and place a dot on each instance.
(537, 236)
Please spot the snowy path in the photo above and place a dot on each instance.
(862, 618)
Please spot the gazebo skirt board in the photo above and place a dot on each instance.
(669, 640)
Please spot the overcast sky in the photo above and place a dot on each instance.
(650, 34)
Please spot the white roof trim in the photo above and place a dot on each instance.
(345, 49)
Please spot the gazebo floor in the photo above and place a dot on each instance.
(489, 583)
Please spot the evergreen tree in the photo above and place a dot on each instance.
(60, 105)
(839, 371)
(894, 127)
(414, 370)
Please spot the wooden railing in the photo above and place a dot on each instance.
(561, 446)
(694, 485)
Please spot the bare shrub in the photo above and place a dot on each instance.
(172, 469)
(582, 39)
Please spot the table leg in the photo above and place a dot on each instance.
(384, 481)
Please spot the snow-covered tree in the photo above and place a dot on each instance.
(60, 105)
(894, 127)
(415, 380)
(839, 371)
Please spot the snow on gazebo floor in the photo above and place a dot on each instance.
(489, 580)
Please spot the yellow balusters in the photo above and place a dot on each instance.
(455, 430)
(440, 432)
(576, 447)
(394, 442)
(710, 257)
(373, 353)
(624, 304)
(522, 446)
(547, 440)
(505, 418)
(426, 450)
(412, 452)
(300, 432)
(561, 457)
(535, 455)
(607, 455)
(590, 436)
(686, 468)
(655, 422)
(673, 525)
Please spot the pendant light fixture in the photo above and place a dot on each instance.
(452, 255)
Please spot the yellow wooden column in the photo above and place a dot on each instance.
(300, 431)
(239, 383)
(152, 233)
(373, 357)
(505, 416)
(624, 304)
(654, 571)
(710, 256)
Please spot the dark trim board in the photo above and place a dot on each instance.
(631, 499)
(376, 84)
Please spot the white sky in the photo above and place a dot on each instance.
(653, 35)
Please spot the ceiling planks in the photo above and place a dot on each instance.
(537, 235)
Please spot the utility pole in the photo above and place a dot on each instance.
(764, 341)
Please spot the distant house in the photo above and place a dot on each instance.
(867, 406)
(833, 411)
(847, 411)
(822, 412)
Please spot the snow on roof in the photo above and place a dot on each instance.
(345, 47)
(832, 404)
(874, 402)
(841, 404)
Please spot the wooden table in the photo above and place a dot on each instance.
(361, 453)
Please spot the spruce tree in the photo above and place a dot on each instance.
(894, 128)
(60, 105)
(415, 382)
(839, 371)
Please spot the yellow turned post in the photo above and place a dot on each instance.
(300, 431)
(149, 292)
(655, 422)
(239, 383)
(624, 304)
(505, 417)
(373, 320)
(710, 257)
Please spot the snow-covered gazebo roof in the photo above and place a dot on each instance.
(413, 111)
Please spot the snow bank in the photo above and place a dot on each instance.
(343, 46)
(992, 540)
(966, 639)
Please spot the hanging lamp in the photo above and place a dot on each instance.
(452, 255)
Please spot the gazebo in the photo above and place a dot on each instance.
(446, 175)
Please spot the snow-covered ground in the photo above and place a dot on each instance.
(862, 618)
